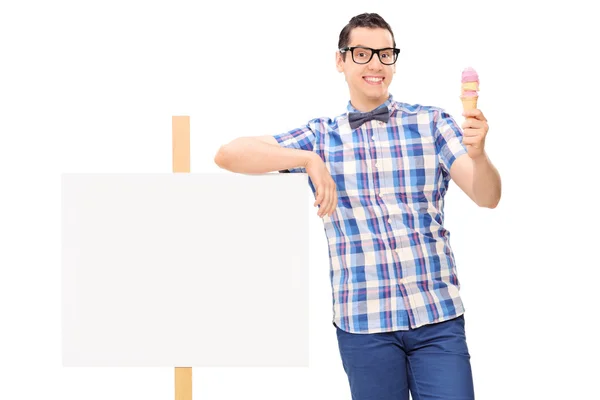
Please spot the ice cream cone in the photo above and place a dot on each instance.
(469, 102)
(469, 85)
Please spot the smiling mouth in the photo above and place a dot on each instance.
(373, 80)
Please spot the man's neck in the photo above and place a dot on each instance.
(367, 104)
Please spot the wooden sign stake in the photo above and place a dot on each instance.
(181, 163)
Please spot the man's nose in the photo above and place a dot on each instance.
(375, 63)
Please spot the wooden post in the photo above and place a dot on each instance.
(181, 144)
(183, 383)
(181, 163)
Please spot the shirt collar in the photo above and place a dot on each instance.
(389, 103)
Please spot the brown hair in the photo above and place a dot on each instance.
(366, 20)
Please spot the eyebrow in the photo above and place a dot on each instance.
(362, 45)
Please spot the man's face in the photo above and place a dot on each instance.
(369, 82)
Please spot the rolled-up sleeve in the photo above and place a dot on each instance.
(302, 138)
(448, 139)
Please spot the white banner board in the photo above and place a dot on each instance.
(184, 270)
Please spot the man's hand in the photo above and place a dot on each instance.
(475, 129)
(326, 194)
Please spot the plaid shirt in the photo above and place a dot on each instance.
(391, 265)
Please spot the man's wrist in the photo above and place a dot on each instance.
(310, 155)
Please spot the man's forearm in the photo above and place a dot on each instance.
(487, 186)
(252, 156)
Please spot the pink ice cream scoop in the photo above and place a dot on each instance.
(469, 75)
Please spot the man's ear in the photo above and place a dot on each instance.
(339, 63)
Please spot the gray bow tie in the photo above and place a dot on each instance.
(358, 118)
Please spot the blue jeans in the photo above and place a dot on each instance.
(431, 361)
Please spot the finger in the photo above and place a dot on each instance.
(332, 201)
(335, 203)
(472, 132)
(325, 205)
(319, 198)
(471, 141)
(475, 113)
(472, 123)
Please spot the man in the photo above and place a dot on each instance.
(379, 174)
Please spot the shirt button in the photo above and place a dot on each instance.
(376, 165)
(389, 221)
(373, 137)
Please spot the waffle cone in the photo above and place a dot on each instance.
(469, 103)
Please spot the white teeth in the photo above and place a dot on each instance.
(374, 79)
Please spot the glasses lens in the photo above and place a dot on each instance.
(387, 56)
(361, 56)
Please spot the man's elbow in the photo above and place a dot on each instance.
(221, 158)
(492, 203)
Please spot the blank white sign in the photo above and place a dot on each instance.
(185, 270)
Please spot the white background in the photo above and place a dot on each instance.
(91, 87)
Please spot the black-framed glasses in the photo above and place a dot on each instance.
(362, 55)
